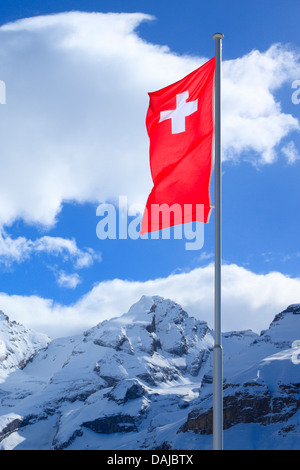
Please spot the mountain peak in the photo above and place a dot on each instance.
(147, 305)
(3, 317)
(17, 344)
(150, 324)
(284, 329)
(294, 308)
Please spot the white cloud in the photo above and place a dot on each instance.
(19, 249)
(73, 126)
(249, 300)
(13, 250)
(66, 247)
(291, 153)
(70, 281)
(204, 256)
(252, 117)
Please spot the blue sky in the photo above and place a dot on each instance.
(73, 136)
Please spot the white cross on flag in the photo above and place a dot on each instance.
(178, 115)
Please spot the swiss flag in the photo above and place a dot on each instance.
(180, 127)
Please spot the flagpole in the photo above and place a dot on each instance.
(218, 351)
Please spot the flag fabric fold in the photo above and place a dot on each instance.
(180, 127)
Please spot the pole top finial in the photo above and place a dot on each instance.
(218, 36)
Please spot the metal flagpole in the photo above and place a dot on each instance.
(218, 352)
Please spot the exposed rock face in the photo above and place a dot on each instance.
(112, 424)
(144, 381)
(248, 403)
(268, 396)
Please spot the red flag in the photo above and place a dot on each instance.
(180, 127)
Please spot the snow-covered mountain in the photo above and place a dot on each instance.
(18, 345)
(144, 381)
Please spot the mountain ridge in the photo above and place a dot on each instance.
(144, 381)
